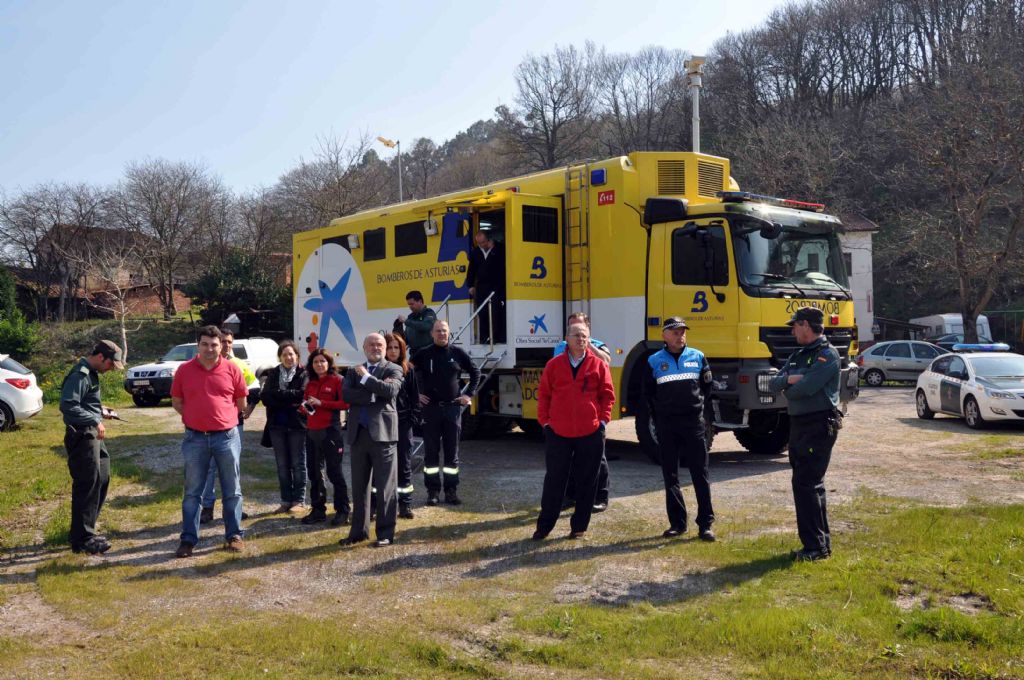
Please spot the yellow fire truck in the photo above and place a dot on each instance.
(628, 240)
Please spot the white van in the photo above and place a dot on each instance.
(943, 324)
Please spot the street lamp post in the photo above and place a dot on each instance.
(397, 145)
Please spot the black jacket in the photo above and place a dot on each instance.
(487, 275)
(438, 370)
(282, 404)
(408, 401)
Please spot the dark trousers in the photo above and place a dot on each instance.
(497, 310)
(404, 465)
(290, 456)
(580, 457)
(442, 425)
(324, 450)
(811, 438)
(373, 462)
(681, 442)
(603, 483)
(89, 464)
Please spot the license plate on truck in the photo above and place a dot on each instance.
(139, 383)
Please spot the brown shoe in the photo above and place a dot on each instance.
(578, 535)
(283, 508)
(234, 544)
(297, 509)
(184, 550)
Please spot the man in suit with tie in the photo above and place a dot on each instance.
(372, 437)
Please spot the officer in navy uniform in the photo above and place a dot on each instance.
(676, 384)
(810, 381)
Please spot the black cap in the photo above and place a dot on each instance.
(812, 315)
(673, 322)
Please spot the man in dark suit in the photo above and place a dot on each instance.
(372, 438)
(486, 275)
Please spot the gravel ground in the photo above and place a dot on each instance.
(884, 449)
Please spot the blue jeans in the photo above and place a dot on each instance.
(210, 488)
(198, 451)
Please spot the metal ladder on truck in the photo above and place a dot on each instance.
(576, 239)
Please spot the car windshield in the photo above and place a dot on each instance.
(998, 367)
(804, 255)
(180, 353)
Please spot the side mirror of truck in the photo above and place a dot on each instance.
(771, 231)
(661, 210)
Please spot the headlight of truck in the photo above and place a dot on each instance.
(166, 372)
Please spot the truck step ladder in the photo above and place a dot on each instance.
(576, 241)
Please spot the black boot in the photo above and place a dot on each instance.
(405, 508)
(433, 497)
(451, 497)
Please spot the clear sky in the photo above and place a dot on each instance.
(247, 87)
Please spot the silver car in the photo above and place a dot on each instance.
(896, 360)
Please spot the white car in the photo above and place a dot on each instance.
(20, 396)
(979, 386)
(149, 383)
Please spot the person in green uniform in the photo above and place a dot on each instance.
(84, 440)
(810, 381)
(416, 327)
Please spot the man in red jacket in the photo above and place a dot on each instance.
(574, 404)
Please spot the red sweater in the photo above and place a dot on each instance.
(328, 391)
(575, 407)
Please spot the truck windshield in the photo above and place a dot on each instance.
(803, 257)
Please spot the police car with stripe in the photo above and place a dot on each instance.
(979, 383)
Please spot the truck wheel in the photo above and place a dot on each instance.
(472, 427)
(765, 442)
(531, 428)
(645, 432)
(145, 400)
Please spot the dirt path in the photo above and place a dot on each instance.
(884, 449)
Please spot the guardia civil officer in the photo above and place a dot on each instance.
(438, 368)
(676, 383)
(84, 435)
(810, 381)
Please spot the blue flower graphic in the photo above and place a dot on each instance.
(331, 308)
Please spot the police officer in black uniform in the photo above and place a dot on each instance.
(810, 381)
(676, 384)
(438, 368)
(84, 434)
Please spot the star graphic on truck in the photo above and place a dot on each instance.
(537, 323)
(331, 308)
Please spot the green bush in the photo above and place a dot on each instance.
(18, 337)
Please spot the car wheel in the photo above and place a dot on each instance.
(922, 406)
(874, 377)
(972, 414)
(145, 400)
(6, 417)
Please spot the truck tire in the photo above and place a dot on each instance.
(531, 428)
(645, 433)
(145, 400)
(484, 427)
(763, 441)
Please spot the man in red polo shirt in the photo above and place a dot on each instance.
(209, 392)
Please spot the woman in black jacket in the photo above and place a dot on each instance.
(286, 427)
(408, 406)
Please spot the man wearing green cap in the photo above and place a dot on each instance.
(810, 381)
(84, 436)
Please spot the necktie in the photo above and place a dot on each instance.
(364, 413)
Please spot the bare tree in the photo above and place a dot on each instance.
(172, 203)
(262, 223)
(342, 178)
(552, 120)
(421, 165)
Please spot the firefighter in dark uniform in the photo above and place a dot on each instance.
(810, 381)
(676, 384)
(84, 434)
(438, 368)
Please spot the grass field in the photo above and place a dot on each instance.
(913, 590)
